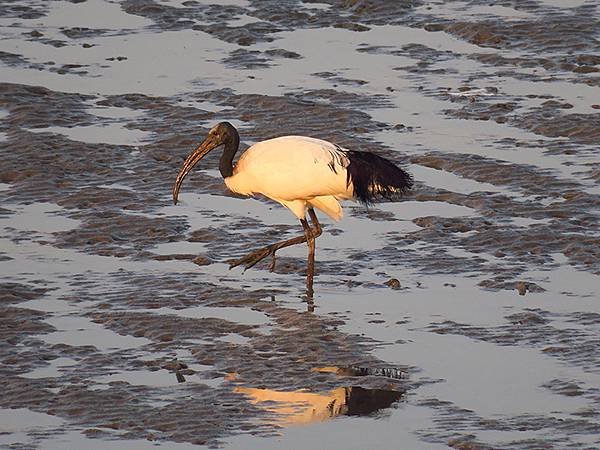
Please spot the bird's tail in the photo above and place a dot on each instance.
(374, 178)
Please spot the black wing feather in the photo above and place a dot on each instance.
(375, 178)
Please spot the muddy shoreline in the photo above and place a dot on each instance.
(119, 316)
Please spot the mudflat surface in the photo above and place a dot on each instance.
(119, 318)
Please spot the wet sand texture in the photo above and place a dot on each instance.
(463, 316)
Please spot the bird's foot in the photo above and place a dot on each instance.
(251, 259)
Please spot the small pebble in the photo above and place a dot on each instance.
(174, 365)
(393, 283)
(201, 261)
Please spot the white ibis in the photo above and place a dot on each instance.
(301, 173)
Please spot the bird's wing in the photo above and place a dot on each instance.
(292, 168)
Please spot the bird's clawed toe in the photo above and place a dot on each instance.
(251, 259)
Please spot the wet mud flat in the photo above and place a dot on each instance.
(119, 316)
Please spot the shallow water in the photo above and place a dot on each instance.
(120, 317)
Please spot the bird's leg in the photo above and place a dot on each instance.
(315, 232)
(310, 270)
(258, 255)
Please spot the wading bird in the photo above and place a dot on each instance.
(301, 173)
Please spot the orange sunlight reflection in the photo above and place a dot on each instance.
(300, 407)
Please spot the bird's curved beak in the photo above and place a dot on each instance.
(201, 151)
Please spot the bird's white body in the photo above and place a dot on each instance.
(297, 172)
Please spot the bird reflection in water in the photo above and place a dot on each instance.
(300, 407)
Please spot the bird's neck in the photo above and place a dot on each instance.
(229, 150)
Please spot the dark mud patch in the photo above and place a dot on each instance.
(282, 53)
(83, 32)
(519, 248)
(339, 80)
(519, 177)
(20, 11)
(120, 235)
(501, 282)
(11, 293)
(20, 322)
(272, 16)
(255, 59)
(548, 120)
(466, 425)
(12, 59)
(19, 352)
(38, 107)
(120, 408)
(540, 329)
(577, 33)
(417, 51)
(576, 30)
(570, 389)
(568, 219)
(164, 328)
(246, 59)
(582, 128)
(580, 64)
(343, 99)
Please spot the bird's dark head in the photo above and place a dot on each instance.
(221, 134)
